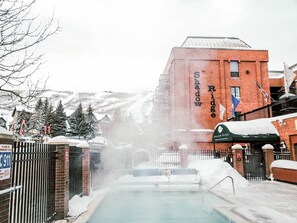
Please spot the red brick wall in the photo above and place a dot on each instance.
(269, 158)
(285, 174)
(238, 163)
(86, 171)
(214, 69)
(286, 130)
(62, 182)
(4, 201)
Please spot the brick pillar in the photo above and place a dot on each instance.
(238, 159)
(183, 152)
(86, 180)
(268, 158)
(62, 177)
(6, 143)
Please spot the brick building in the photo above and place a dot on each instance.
(199, 77)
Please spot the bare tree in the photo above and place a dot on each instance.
(20, 34)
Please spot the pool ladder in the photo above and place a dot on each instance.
(221, 182)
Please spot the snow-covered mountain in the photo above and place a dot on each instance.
(138, 105)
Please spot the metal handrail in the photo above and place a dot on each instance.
(220, 182)
(8, 190)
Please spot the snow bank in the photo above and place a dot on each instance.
(286, 164)
(212, 171)
(3, 131)
(78, 205)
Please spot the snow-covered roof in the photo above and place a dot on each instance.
(4, 131)
(252, 127)
(215, 42)
(275, 74)
(83, 144)
(246, 131)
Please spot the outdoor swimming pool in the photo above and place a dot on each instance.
(158, 207)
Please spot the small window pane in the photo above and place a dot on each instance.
(234, 71)
(235, 91)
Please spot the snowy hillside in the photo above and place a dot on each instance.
(138, 105)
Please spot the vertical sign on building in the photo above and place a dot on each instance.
(5, 161)
(197, 88)
(212, 89)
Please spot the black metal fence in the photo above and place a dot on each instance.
(167, 158)
(33, 168)
(282, 155)
(75, 171)
(282, 107)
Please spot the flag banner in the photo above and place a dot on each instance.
(266, 96)
(222, 111)
(235, 102)
(22, 127)
(289, 77)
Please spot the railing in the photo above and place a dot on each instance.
(283, 155)
(282, 107)
(33, 167)
(221, 182)
(11, 189)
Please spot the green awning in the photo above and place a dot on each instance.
(241, 132)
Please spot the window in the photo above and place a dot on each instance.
(234, 71)
(235, 91)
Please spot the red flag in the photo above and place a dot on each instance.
(22, 126)
(49, 129)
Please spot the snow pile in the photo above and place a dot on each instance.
(285, 164)
(78, 205)
(214, 170)
(3, 131)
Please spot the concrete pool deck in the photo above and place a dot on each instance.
(262, 201)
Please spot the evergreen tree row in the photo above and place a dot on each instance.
(45, 121)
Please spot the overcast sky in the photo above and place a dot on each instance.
(123, 45)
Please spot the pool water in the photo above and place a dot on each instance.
(158, 207)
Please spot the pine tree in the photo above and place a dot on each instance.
(44, 112)
(38, 105)
(92, 129)
(78, 123)
(58, 125)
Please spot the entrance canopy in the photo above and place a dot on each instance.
(258, 130)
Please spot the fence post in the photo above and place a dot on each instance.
(6, 143)
(268, 158)
(238, 159)
(183, 150)
(86, 180)
(62, 176)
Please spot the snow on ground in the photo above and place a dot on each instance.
(263, 201)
